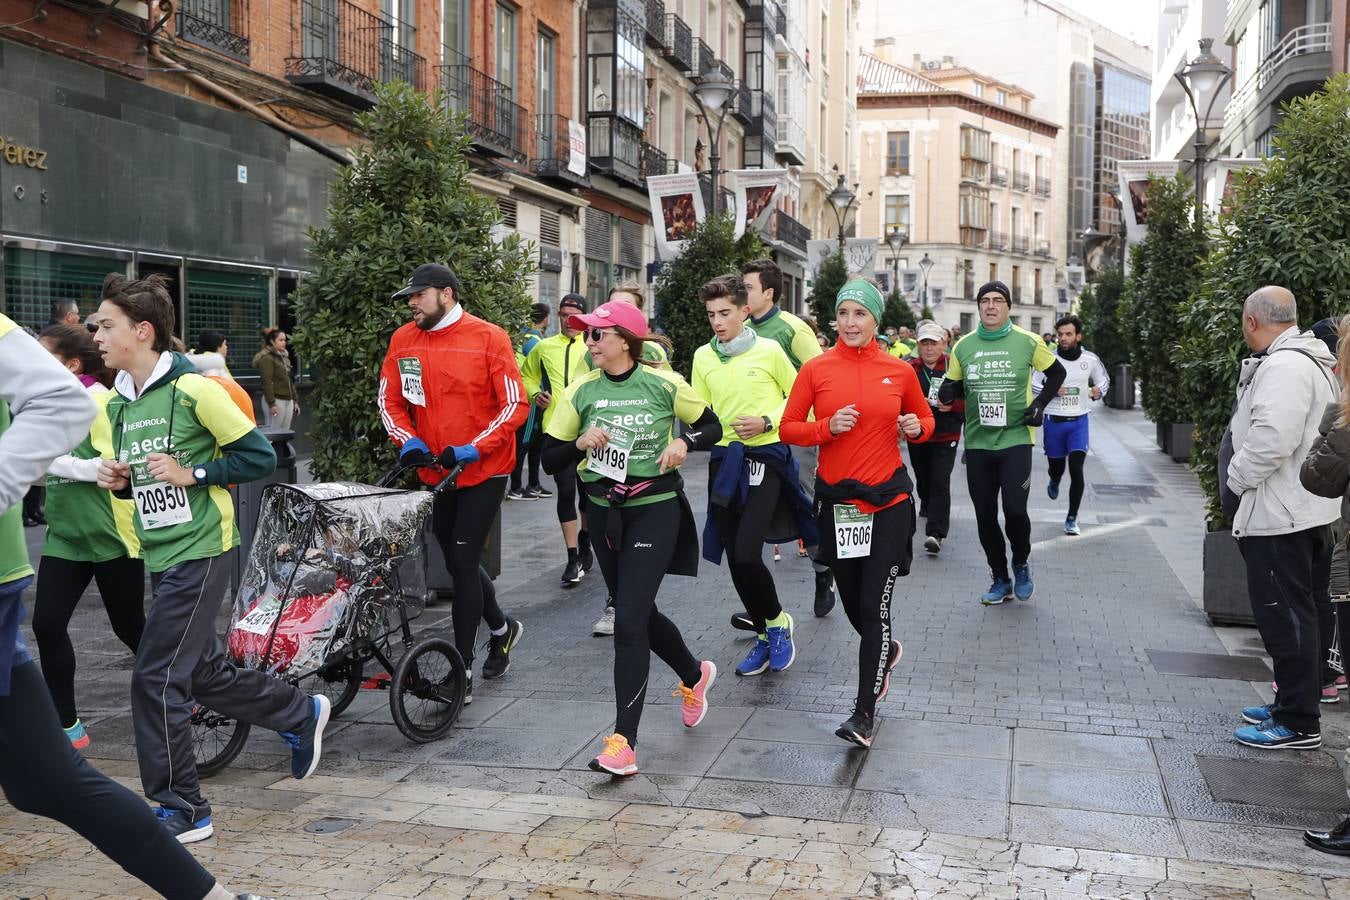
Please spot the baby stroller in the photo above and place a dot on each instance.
(332, 575)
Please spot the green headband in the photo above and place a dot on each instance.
(864, 293)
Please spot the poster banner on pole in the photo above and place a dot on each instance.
(576, 150)
(860, 254)
(756, 191)
(1134, 175)
(1219, 182)
(677, 210)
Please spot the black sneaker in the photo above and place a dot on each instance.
(857, 730)
(183, 829)
(499, 649)
(743, 622)
(933, 545)
(538, 492)
(573, 573)
(585, 554)
(824, 594)
(307, 743)
(517, 494)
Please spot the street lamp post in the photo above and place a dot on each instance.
(711, 93)
(1204, 75)
(842, 199)
(926, 264)
(896, 240)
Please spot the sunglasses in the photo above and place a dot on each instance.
(596, 335)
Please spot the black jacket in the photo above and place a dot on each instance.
(1326, 470)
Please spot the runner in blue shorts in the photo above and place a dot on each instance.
(1066, 418)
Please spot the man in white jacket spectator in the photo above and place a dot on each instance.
(1283, 530)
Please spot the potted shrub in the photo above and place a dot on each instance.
(1098, 307)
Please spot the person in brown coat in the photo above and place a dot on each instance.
(274, 369)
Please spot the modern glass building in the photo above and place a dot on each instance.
(1121, 131)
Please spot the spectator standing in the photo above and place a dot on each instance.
(530, 436)
(274, 367)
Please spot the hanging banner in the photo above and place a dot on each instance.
(677, 209)
(860, 254)
(1219, 182)
(576, 149)
(1134, 175)
(756, 191)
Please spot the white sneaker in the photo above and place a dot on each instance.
(604, 626)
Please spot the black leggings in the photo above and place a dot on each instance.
(1075, 460)
(1006, 471)
(569, 490)
(61, 582)
(866, 588)
(461, 520)
(42, 774)
(633, 575)
(527, 451)
(743, 534)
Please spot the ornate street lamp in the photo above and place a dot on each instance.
(896, 240)
(1203, 76)
(711, 93)
(842, 199)
(926, 264)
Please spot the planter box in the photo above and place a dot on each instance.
(1226, 599)
(1163, 432)
(1180, 439)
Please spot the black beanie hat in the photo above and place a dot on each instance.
(998, 286)
(1328, 331)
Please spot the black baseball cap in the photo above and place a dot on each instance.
(572, 301)
(429, 275)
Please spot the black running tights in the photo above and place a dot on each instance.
(990, 473)
(1076, 459)
(743, 532)
(461, 520)
(633, 574)
(42, 774)
(527, 451)
(61, 582)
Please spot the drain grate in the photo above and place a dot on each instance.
(1136, 492)
(1276, 784)
(329, 825)
(1209, 665)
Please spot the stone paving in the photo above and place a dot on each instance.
(1025, 750)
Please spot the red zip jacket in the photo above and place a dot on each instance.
(946, 425)
(470, 393)
(880, 387)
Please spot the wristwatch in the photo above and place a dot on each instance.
(768, 424)
(199, 474)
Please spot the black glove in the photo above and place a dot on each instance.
(1035, 414)
(416, 453)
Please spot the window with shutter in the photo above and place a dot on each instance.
(508, 210)
(35, 279)
(233, 302)
(630, 244)
(549, 232)
(599, 241)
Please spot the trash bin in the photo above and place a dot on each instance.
(439, 583)
(248, 497)
(1121, 395)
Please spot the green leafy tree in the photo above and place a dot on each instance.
(711, 251)
(1099, 308)
(897, 312)
(1288, 225)
(404, 200)
(926, 312)
(1164, 271)
(832, 276)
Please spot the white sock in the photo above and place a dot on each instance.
(498, 632)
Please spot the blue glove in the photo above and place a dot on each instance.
(415, 452)
(453, 456)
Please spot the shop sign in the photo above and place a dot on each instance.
(19, 155)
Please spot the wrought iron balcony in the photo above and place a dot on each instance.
(974, 237)
(656, 24)
(704, 59)
(998, 240)
(342, 51)
(780, 22)
(654, 161)
(727, 72)
(552, 156)
(1043, 249)
(741, 103)
(1043, 186)
(1021, 243)
(769, 14)
(221, 25)
(765, 117)
(678, 43)
(1021, 181)
(614, 146)
(998, 175)
(790, 231)
(490, 117)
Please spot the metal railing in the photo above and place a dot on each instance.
(741, 102)
(489, 115)
(1020, 243)
(1043, 249)
(341, 47)
(1043, 186)
(769, 13)
(678, 43)
(221, 25)
(654, 161)
(765, 120)
(614, 145)
(704, 59)
(656, 23)
(1297, 42)
(998, 240)
(974, 237)
(998, 175)
(1021, 181)
(1016, 293)
(787, 229)
(552, 154)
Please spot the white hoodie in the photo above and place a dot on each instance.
(1281, 397)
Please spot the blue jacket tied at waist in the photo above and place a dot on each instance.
(792, 519)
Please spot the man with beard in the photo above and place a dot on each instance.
(450, 394)
(1066, 416)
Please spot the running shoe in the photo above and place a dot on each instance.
(801, 547)
(79, 738)
(1022, 586)
(584, 554)
(617, 758)
(1340, 682)
(1255, 715)
(604, 626)
(573, 573)
(1000, 591)
(468, 690)
(1270, 736)
(933, 545)
(307, 743)
(756, 661)
(695, 704)
(742, 622)
(184, 830)
(1052, 490)
(499, 649)
(777, 555)
(518, 494)
(857, 730)
(781, 649)
(538, 492)
(824, 594)
(1330, 694)
(1071, 525)
(897, 649)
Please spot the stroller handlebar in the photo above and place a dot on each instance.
(446, 483)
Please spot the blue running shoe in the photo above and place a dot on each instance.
(1022, 586)
(1270, 736)
(756, 661)
(1000, 591)
(1257, 714)
(1052, 490)
(307, 743)
(184, 830)
(781, 649)
(1071, 525)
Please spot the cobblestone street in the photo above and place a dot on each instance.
(1026, 750)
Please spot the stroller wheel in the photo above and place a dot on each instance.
(426, 693)
(340, 682)
(216, 739)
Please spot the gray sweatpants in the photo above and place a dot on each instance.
(182, 662)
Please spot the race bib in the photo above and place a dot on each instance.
(410, 379)
(933, 386)
(160, 505)
(756, 473)
(611, 460)
(852, 532)
(993, 413)
(1071, 400)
